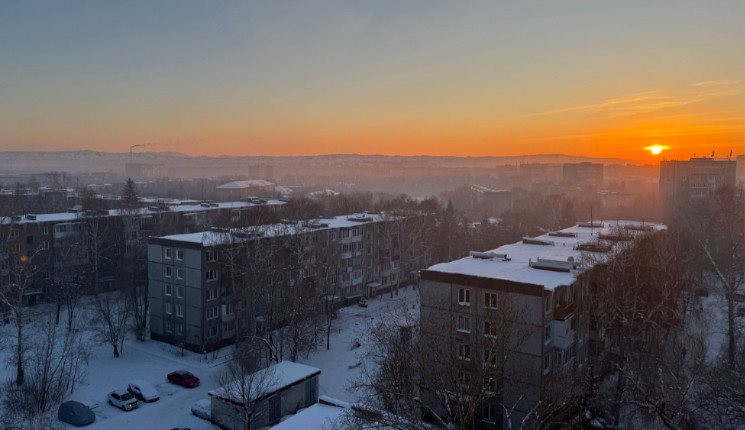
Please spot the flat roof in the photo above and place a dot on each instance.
(266, 381)
(213, 237)
(520, 255)
(70, 216)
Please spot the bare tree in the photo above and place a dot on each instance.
(55, 363)
(245, 382)
(113, 312)
(19, 281)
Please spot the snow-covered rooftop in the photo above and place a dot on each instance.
(214, 237)
(266, 381)
(245, 184)
(72, 216)
(554, 250)
(316, 417)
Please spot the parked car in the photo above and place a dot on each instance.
(184, 378)
(362, 302)
(75, 413)
(143, 390)
(123, 399)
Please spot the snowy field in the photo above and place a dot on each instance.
(152, 361)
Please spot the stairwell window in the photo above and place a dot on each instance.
(464, 297)
(464, 324)
(210, 275)
(490, 300)
(464, 352)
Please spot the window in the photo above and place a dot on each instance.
(211, 294)
(168, 289)
(546, 364)
(45, 244)
(168, 326)
(169, 271)
(179, 254)
(179, 310)
(212, 332)
(557, 356)
(180, 292)
(169, 308)
(228, 309)
(210, 255)
(180, 329)
(167, 252)
(464, 324)
(490, 357)
(547, 334)
(29, 240)
(490, 300)
(45, 230)
(228, 327)
(210, 275)
(179, 273)
(464, 379)
(489, 414)
(464, 352)
(490, 385)
(490, 329)
(212, 312)
(464, 297)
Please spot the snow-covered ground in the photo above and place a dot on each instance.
(152, 361)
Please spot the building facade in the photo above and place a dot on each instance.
(80, 252)
(207, 287)
(585, 176)
(681, 181)
(515, 320)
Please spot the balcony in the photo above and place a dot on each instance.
(563, 312)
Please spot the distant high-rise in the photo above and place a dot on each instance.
(681, 181)
(584, 175)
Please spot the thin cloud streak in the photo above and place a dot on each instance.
(652, 101)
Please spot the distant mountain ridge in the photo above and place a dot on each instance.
(98, 161)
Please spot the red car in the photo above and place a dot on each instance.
(182, 377)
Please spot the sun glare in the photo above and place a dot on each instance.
(656, 149)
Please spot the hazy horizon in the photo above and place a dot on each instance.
(434, 78)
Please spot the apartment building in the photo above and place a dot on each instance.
(584, 176)
(681, 181)
(87, 248)
(517, 317)
(206, 286)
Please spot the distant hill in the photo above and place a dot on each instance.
(21, 162)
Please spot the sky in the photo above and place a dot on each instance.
(603, 79)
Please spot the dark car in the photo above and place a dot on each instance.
(184, 378)
(75, 413)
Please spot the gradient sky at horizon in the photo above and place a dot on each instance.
(588, 78)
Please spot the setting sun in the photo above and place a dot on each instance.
(656, 149)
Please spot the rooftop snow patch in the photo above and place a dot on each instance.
(266, 381)
(525, 259)
(236, 185)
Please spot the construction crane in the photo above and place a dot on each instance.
(130, 150)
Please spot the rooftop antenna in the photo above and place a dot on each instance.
(130, 150)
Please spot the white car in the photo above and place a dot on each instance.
(143, 390)
(123, 399)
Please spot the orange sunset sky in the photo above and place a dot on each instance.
(603, 79)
